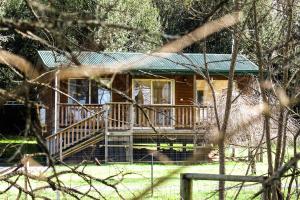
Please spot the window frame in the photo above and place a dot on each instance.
(172, 81)
(69, 101)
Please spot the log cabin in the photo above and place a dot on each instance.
(133, 103)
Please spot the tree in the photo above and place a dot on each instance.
(113, 25)
(180, 17)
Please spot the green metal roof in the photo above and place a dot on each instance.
(160, 63)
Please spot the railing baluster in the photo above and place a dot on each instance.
(190, 119)
(123, 116)
(178, 119)
(118, 118)
(115, 114)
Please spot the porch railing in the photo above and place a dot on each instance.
(119, 115)
(168, 116)
(75, 133)
(73, 113)
(124, 116)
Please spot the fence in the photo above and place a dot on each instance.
(186, 182)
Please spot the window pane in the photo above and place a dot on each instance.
(79, 90)
(218, 85)
(142, 91)
(200, 96)
(99, 95)
(161, 92)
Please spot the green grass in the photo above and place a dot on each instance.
(137, 182)
(18, 140)
(140, 180)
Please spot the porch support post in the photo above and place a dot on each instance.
(56, 101)
(106, 132)
(195, 88)
(131, 117)
(131, 131)
(195, 100)
(131, 147)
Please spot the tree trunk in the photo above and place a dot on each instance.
(227, 114)
(263, 92)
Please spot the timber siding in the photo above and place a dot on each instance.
(64, 88)
(184, 90)
(123, 84)
(47, 97)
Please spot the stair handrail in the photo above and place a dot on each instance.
(55, 142)
(72, 125)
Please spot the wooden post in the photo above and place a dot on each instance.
(131, 117)
(186, 188)
(56, 111)
(60, 147)
(184, 147)
(195, 144)
(194, 109)
(131, 121)
(152, 182)
(261, 154)
(26, 166)
(232, 151)
(131, 147)
(106, 131)
(187, 178)
(171, 146)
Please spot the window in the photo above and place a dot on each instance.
(152, 91)
(142, 91)
(161, 92)
(99, 94)
(204, 94)
(200, 96)
(88, 91)
(79, 90)
(149, 91)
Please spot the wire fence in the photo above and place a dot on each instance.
(145, 176)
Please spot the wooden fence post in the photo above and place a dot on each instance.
(186, 188)
(186, 185)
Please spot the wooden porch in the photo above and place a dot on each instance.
(125, 116)
(118, 124)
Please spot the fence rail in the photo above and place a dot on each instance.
(186, 182)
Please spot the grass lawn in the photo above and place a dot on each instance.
(135, 183)
(18, 140)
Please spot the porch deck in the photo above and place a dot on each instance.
(121, 125)
(122, 116)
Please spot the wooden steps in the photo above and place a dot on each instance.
(83, 145)
(77, 136)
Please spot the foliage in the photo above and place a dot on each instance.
(122, 25)
(180, 17)
(127, 14)
(141, 16)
